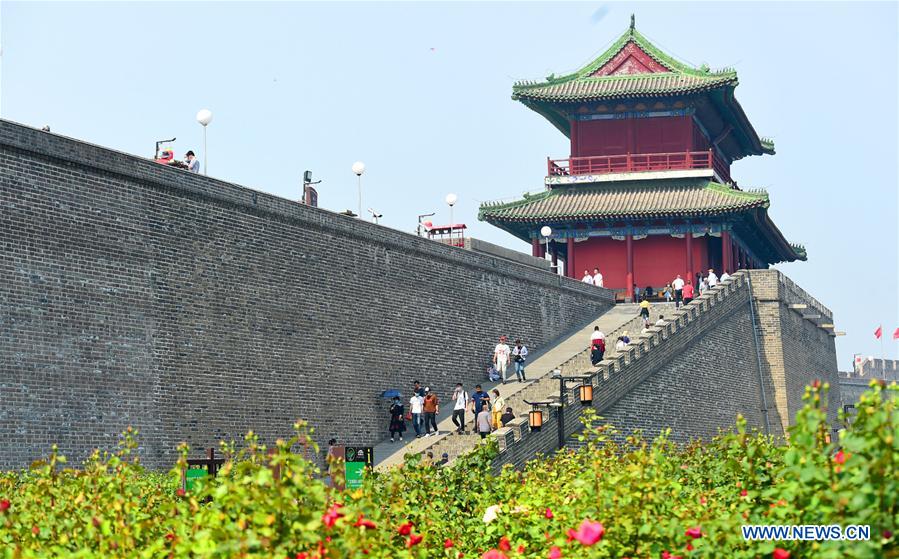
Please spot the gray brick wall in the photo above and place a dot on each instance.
(195, 309)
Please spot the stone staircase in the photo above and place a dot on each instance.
(572, 356)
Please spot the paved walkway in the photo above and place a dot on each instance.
(390, 454)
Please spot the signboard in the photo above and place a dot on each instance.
(357, 459)
(191, 474)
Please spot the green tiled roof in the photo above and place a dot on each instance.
(580, 86)
(622, 200)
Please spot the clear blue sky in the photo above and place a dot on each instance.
(421, 94)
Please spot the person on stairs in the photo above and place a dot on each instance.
(499, 404)
(416, 403)
(501, 355)
(519, 355)
(644, 312)
(597, 350)
(483, 421)
(460, 404)
(397, 419)
(431, 408)
(479, 401)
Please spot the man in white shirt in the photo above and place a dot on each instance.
(587, 278)
(597, 334)
(501, 355)
(415, 408)
(460, 402)
(712, 278)
(661, 320)
(678, 285)
(725, 276)
(597, 277)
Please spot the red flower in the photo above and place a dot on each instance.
(365, 523)
(180, 492)
(330, 517)
(170, 536)
(549, 513)
(302, 555)
(405, 529)
(666, 555)
(840, 457)
(448, 543)
(702, 500)
(694, 532)
(414, 539)
(35, 530)
(494, 554)
(689, 546)
(554, 553)
(4, 505)
(743, 493)
(588, 533)
(780, 553)
(887, 534)
(520, 549)
(505, 544)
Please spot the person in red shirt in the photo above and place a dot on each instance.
(688, 292)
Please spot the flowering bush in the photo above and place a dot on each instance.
(637, 498)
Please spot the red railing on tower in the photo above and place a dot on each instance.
(631, 163)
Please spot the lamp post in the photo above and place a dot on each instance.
(204, 117)
(418, 230)
(545, 232)
(535, 416)
(358, 169)
(585, 394)
(451, 200)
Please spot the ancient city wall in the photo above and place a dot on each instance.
(195, 309)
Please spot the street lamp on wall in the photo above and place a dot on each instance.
(545, 232)
(204, 117)
(358, 169)
(451, 200)
(535, 416)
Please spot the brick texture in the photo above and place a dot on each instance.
(196, 310)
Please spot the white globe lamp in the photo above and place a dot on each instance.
(204, 117)
(358, 169)
(451, 200)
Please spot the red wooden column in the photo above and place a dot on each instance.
(689, 239)
(535, 247)
(629, 241)
(727, 252)
(574, 134)
(570, 270)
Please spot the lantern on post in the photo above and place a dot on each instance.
(535, 416)
(586, 392)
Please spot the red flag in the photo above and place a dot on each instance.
(896, 334)
(879, 332)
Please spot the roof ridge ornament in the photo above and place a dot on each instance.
(633, 23)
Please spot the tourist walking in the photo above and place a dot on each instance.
(501, 355)
(483, 421)
(597, 350)
(712, 278)
(498, 405)
(688, 292)
(397, 419)
(644, 312)
(597, 334)
(678, 285)
(519, 356)
(597, 277)
(460, 404)
(431, 408)
(416, 403)
(417, 389)
(667, 293)
(479, 400)
(703, 286)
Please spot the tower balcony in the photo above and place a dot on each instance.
(577, 169)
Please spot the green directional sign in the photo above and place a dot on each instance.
(193, 474)
(357, 460)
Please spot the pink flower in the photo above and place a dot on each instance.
(588, 533)
(549, 513)
(694, 532)
(780, 553)
(330, 517)
(554, 553)
(494, 554)
(666, 555)
(743, 493)
(448, 543)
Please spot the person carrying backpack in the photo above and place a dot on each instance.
(460, 403)
(597, 350)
